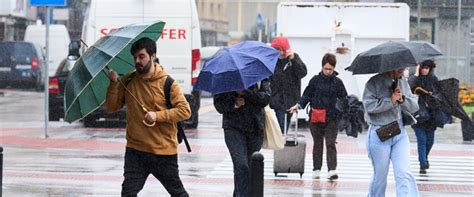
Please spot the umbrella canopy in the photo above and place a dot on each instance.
(86, 86)
(392, 56)
(446, 98)
(237, 67)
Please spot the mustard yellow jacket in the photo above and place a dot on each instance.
(160, 139)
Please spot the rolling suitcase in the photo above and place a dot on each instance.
(291, 158)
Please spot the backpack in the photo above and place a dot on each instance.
(181, 135)
(167, 89)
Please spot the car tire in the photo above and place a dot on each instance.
(54, 116)
(89, 122)
(37, 84)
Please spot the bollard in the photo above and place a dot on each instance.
(256, 175)
(1, 170)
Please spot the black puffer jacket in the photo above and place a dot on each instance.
(323, 92)
(286, 84)
(248, 117)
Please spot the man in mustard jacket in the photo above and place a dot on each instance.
(150, 149)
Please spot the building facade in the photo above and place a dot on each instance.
(450, 26)
(214, 22)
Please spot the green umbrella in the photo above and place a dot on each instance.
(86, 86)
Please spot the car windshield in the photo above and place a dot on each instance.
(20, 52)
(23, 51)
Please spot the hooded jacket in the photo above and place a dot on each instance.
(427, 83)
(248, 117)
(323, 92)
(286, 84)
(161, 139)
(379, 109)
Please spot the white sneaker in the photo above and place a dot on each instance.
(316, 174)
(332, 175)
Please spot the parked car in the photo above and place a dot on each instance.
(21, 63)
(57, 82)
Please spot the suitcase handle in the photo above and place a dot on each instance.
(287, 128)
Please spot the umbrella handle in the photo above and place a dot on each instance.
(147, 124)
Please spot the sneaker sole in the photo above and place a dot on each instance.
(333, 177)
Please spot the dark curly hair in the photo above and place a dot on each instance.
(144, 43)
(428, 63)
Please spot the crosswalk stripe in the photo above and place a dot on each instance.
(358, 169)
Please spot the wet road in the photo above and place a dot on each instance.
(77, 161)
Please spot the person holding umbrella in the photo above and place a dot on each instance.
(152, 143)
(322, 93)
(423, 84)
(243, 126)
(389, 103)
(384, 98)
(286, 81)
(237, 76)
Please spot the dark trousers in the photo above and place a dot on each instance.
(280, 114)
(241, 145)
(425, 141)
(320, 133)
(138, 165)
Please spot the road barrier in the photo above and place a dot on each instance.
(256, 175)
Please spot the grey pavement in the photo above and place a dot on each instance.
(78, 161)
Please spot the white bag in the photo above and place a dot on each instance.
(272, 137)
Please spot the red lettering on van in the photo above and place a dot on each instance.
(173, 34)
(181, 34)
(106, 31)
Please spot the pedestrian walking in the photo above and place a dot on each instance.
(385, 97)
(243, 126)
(152, 143)
(322, 93)
(423, 84)
(286, 81)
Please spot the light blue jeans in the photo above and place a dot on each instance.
(397, 150)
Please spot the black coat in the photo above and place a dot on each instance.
(351, 118)
(425, 116)
(323, 92)
(248, 117)
(286, 84)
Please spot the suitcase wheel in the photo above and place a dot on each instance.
(276, 173)
(301, 175)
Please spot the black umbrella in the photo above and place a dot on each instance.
(392, 56)
(446, 98)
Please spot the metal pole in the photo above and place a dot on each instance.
(418, 19)
(267, 30)
(458, 44)
(1, 170)
(256, 175)
(46, 76)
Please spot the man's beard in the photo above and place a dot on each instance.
(143, 69)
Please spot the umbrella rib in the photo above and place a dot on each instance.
(75, 99)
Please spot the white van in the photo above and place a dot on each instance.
(345, 29)
(58, 42)
(178, 48)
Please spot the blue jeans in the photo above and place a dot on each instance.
(397, 150)
(241, 145)
(425, 141)
(280, 114)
